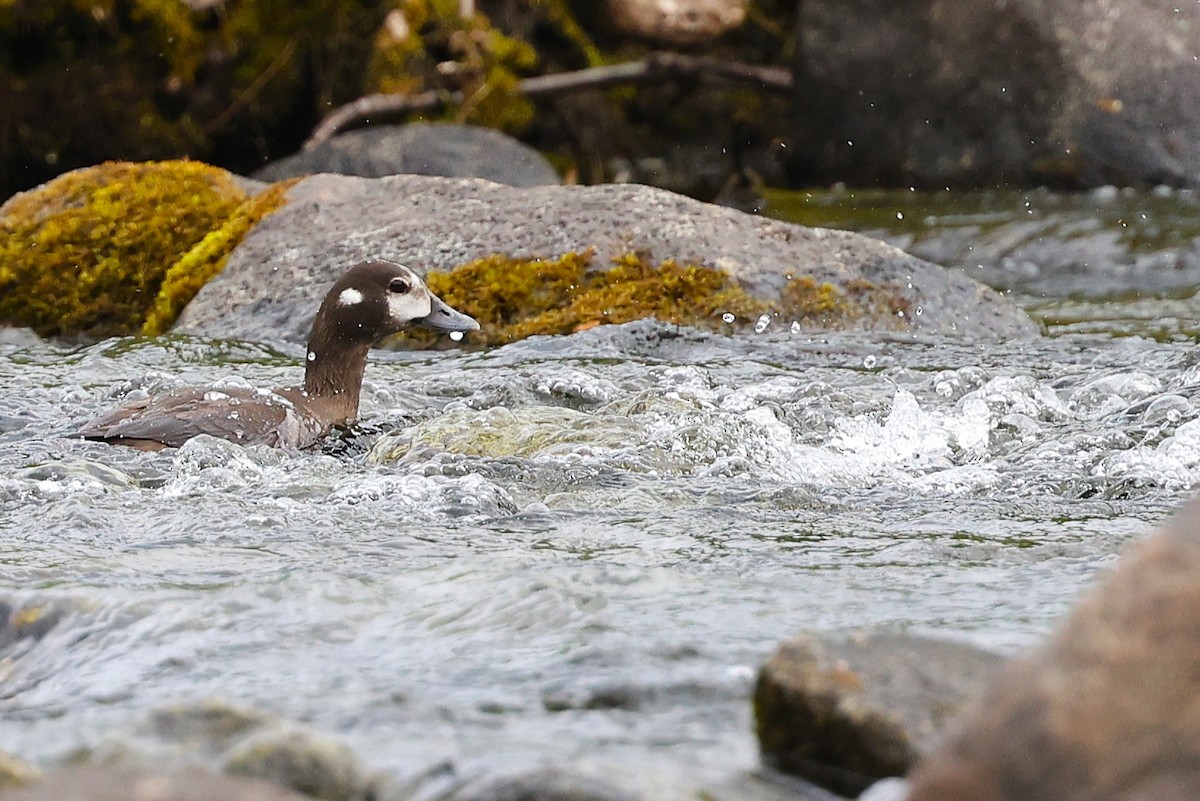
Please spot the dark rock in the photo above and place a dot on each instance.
(929, 94)
(128, 784)
(32, 619)
(844, 712)
(272, 282)
(300, 760)
(1108, 709)
(210, 726)
(420, 148)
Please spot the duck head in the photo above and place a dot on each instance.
(378, 298)
(373, 300)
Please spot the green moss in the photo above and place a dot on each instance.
(82, 82)
(558, 12)
(513, 298)
(432, 47)
(197, 267)
(89, 80)
(88, 252)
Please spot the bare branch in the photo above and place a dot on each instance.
(657, 67)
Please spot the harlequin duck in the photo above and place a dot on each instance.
(371, 301)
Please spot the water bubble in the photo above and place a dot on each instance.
(920, 310)
(869, 361)
(795, 326)
(456, 336)
(762, 323)
(728, 317)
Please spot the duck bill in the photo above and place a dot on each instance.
(443, 319)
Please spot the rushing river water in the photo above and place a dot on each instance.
(571, 551)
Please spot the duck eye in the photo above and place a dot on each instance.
(399, 286)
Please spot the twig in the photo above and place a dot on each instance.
(253, 89)
(657, 67)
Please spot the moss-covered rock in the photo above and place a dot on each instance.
(817, 278)
(517, 298)
(120, 247)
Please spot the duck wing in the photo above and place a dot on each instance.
(172, 418)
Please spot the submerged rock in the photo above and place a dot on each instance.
(16, 772)
(542, 785)
(300, 760)
(96, 783)
(32, 619)
(276, 276)
(1108, 709)
(844, 712)
(420, 148)
(207, 726)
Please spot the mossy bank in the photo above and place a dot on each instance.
(120, 248)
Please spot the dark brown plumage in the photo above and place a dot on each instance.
(371, 301)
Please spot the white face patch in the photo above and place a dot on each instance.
(349, 297)
(412, 305)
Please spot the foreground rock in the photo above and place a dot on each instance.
(129, 784)
(299, 759)
(1108, 709)
(420, 148)
(928, 93)
(844, 712)
(272, 282)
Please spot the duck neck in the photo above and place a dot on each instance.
(333, 373)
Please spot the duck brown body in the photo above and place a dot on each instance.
(371, 301)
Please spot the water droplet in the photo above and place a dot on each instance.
(312, 357)
(762, 323)
(920, 310)
(456, 336)
(795, 327)
(869, 361)
(728, 317)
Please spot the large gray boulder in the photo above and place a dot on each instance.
(274, 280)
(979, 92)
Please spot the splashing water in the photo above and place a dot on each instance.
(637, 510)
